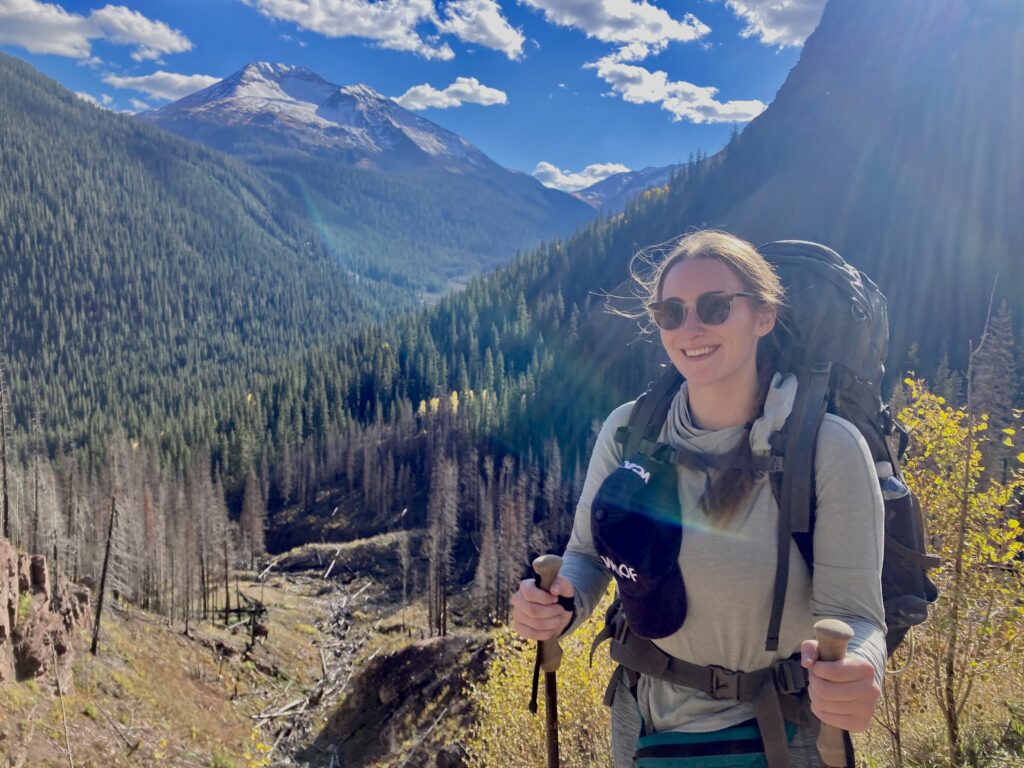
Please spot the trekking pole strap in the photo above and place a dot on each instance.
(536, 683)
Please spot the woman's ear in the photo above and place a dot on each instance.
(765, 322)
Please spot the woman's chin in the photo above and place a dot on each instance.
(698, 371)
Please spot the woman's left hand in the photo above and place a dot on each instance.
(843, 693)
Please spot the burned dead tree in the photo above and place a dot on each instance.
(4, 429)
(103, 578)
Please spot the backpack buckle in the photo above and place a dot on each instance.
(725, 683)
(622, 435)
(789, 676)
(620, 627)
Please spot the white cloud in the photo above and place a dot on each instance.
(124, 26)
(622, 21)
(778, 22)
(632, 52)
(162, 85)
(47, 28)
(139, 105)
(44, 28)
(392, 23)
(107, 99)
(395, 24)
(481, 21)
(567, 181)
(89, 98)
(465, 90)
(686, 101)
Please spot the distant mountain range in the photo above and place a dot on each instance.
(399, 198)
(297, 108)
(610, 195)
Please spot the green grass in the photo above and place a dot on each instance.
(24, 606)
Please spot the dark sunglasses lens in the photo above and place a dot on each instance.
(668, 315)
(714, 308)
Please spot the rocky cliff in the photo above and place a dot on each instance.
(38, 616)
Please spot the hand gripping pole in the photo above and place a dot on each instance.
(833, 636)
(549, 656)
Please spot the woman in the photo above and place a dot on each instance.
(714, 299)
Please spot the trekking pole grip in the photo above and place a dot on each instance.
(833, 636)
(546, 568)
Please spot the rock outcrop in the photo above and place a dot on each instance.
(36, 619)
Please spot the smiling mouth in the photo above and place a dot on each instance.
(699, 352)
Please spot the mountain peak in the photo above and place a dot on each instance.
(302, 109)
(269, 70)
(361, 90)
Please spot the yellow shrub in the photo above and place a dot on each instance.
(507, 734)
(954, 705)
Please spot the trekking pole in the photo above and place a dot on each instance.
(549, 656)
(832, 635)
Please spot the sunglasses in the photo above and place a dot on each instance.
(712, 309)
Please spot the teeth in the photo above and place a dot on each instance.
(699, 351)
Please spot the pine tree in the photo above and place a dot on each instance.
(949, 383)
(151, 551)
(442, 518)
(4, 475)
(995, 374)
(486, 579)
(94, 648)
(253, 520)
(994, 386)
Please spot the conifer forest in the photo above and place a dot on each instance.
(199, 379)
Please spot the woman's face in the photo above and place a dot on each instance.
(723, 355)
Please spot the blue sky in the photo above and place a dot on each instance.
(569, 90)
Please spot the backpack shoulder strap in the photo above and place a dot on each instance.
(796, 495)
(649, 412)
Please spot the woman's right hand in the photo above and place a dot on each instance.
(536, 614)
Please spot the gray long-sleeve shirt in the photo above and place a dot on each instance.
(729, 571)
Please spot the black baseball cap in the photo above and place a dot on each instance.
(636, 522)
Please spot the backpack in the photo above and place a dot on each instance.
(833, 334)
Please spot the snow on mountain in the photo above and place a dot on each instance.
(303, 108)
(612, 193)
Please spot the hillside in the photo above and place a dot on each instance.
(475, 416)
(130, 259)
(342, 672)
(357, 425)
(535, 338)
(896, 140)
(397, 197)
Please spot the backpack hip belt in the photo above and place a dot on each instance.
(777, 692)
